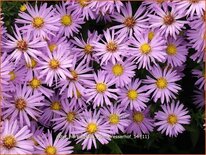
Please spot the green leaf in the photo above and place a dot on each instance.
(115, 149)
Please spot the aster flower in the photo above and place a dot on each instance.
(54, 66)
(141, 122)
(130, 23)
(85, 48)
(35, 85)
(23, 106)
(65, 121)
(176, 51)
(154, 4)
(201, 78)
(121, 72)
(162, 85)
(81, 75)
(99, 91)
(190, 7)
(171, 120)
(17, 76)
(40, 21)
(52, 104)
(134, 96)
(197, 41)
(116, 117)
(91, 127)
(146, 51)
(197, 22)
(24, 46)
(48, 145)
(30, 69)
(15, 139)
(168, 22)
(70, 21)
(112, 49)
(199, 98)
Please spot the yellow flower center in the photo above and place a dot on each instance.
(35, 83)
(50, 150)
(9, 142)
(101, 87)
(145, 48)
(171, 49)
(54, 64)
(56, 105)
(23, 8)
(12, 75)
(83, 3)
(66, 20)
(112, 47)
(172, 119)
(52, 47)
(74, 75)
(38, 22)
(114, 119)
(161, 83)
(204, 16)
(138, 117)
(129, 22)
(22, 45)
(132, 94)
(33, 64)
(88, 49)
(20, 104)
(151, 35)
(71, 116)
(91, 128)
(169, 19)
(79, 95)
(117, 69)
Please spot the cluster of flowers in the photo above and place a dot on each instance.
(55, 78)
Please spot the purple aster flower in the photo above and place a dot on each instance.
(121, 72)
(54, 66)
(57, 41)
(30, 69)
(91, 127)
(100, 90)
(23, 106)
(199, 98)
(50, 107)
(81, 75)
(85, 49)
(197, 22)
(162, 85)
(48, 145)
(201, 78)
(65, 121)
(70, 21)
(172, 118)
(35, 85)
(197, 41)
(101, 16)
(40, 21)
(190, 7)
(134, 96)
(168, 22)
(83, 7)
(130, 23)
(146, 51)
(116, 117)
(17, 76)
(24, 46)
(110, 6)
(15, 139)
(154, 4)
(176, 51)
(141, 122)
(113, 48)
